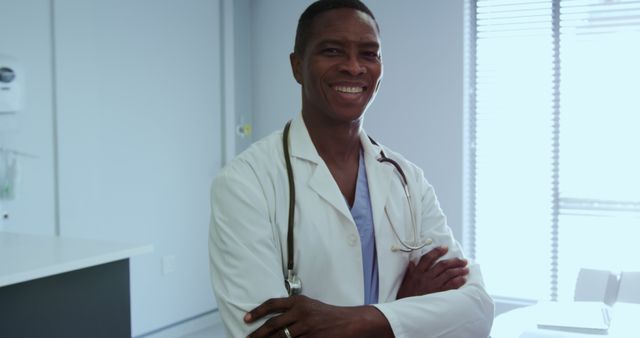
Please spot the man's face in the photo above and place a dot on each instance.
(341, 68)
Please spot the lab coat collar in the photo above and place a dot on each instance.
(303, 148)
(301, 144)
(379, 175)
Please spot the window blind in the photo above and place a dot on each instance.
(553, 141)
(599, 213)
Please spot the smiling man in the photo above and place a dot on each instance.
(319, 231)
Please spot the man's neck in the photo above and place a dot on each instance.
(337, 144)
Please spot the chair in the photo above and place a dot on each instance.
(629, 291)
(596, 286)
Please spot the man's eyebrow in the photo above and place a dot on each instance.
(331, 42)
(370, 44)
(364, 44)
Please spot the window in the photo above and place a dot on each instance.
(554, 142)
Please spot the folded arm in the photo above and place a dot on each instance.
(247, 276)
(465, 311)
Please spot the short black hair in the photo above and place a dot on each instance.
(308, 16)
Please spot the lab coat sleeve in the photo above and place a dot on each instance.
(463, 313)
(245, 261)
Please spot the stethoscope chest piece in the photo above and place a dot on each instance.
(293, 284)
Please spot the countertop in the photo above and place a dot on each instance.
(25, 257)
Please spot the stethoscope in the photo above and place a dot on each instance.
(292, 282)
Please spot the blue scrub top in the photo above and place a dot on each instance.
(363, 217)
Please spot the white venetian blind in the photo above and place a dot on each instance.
(599, 215)
(513, 129)
(554, 130)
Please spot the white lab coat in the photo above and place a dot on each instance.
(248, 237)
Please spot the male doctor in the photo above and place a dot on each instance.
(373, 260)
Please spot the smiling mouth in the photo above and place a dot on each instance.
(349, 90)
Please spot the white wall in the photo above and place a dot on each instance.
(26, 36)
(418, 110)
(136, 110)
(243, 90)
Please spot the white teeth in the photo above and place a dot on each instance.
(350, 90)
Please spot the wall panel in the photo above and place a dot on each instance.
(139, 140)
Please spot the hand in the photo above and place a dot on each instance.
(425, 277)
(307, 317)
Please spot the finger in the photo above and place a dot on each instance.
(273, 327)
(450, 274)
(278, 334)
(298, 329)
(454, 283)
(447, 264)
(410, 267)
(273, 305)
(427, 260)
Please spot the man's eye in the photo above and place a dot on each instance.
(371, 55)
(331, 51)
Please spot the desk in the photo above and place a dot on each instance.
(61, 287)
(522, 322)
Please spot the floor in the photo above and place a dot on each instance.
(207, 332)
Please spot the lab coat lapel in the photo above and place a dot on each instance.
(320, 179)
(329, 192)
(382, 178)
(379, 176)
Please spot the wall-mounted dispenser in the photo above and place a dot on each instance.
(11, 85)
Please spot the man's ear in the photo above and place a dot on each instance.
(296, 67)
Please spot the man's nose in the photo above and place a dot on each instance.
(352, 65)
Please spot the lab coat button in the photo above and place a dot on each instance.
(353, 239)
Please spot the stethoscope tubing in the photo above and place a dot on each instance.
(291, 278)
(292, 196)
